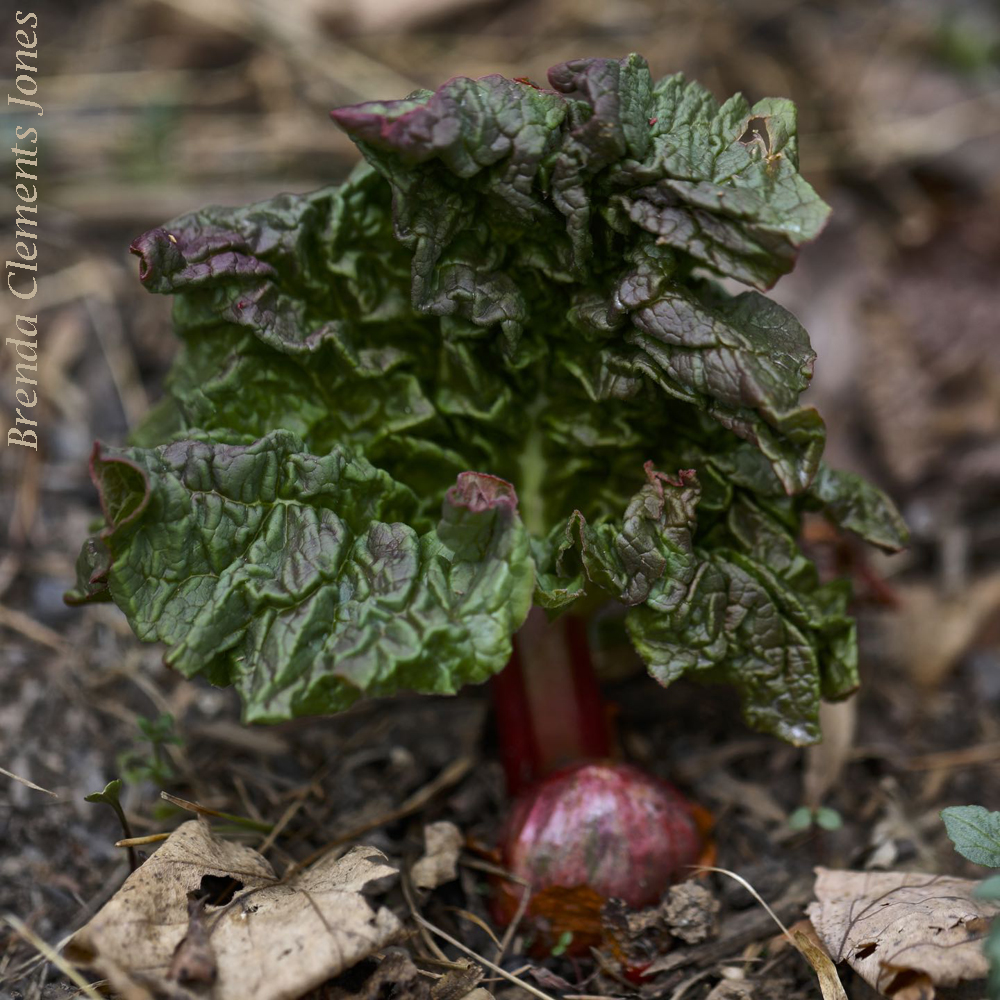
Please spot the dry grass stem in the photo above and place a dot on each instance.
(43, 948)
(478, 921)
(753, 892)
(30, 784)
(201, 810)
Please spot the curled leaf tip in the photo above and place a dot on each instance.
(479, 491)
(122, 486)
(158, 252)
(684, 477)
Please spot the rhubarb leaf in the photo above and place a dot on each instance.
(728, 626)
(859, 506)
(294, 577)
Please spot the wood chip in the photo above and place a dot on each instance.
(443, 842)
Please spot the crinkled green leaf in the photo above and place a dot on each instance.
(728, 627)
(514, 283)
(721, 616)
(496, 182)
(725, 186)
(651, 544)
(295, 576)
(855, 504)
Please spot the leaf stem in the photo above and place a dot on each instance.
(530, 494)
(549, 707)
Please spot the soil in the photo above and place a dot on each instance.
(160, 107)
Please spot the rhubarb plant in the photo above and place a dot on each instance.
(493, 369)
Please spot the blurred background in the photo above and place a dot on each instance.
(154, 108)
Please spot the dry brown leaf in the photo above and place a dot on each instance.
(442, 842)
(275, 939)
(903, 932)
(691, 913)
(479, 993)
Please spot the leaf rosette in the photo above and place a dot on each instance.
(409, 406)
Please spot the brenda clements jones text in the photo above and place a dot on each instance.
(22, 272)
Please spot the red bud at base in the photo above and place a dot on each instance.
(608, 827)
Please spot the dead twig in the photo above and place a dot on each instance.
(418, 918)
(286, 817)
(509, 976)
(152, 838)
(982, 753)
(522, 907)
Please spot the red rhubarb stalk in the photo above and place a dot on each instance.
(549, 707)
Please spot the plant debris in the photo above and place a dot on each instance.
(691, 912)
(395, 976)
(211, 912)
(905, 933)
(443, 842)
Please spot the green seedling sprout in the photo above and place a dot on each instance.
(110, 797)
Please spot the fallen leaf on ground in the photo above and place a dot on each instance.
(271, 938)
(904, 933)
(442, 841)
